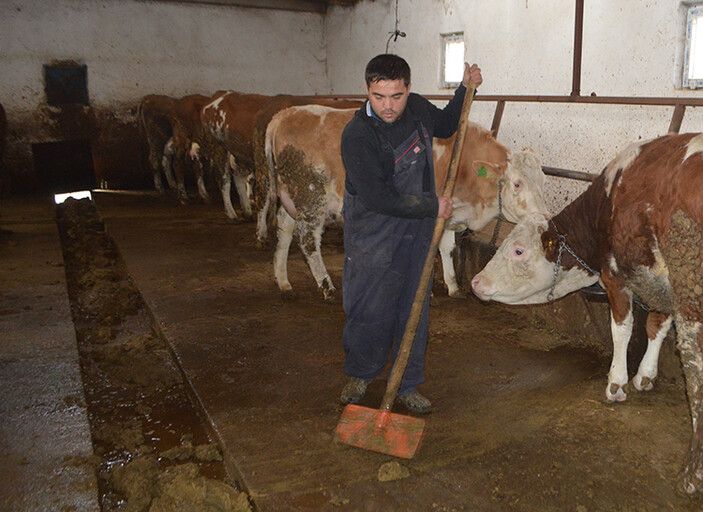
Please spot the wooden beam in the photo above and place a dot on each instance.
(319, 6)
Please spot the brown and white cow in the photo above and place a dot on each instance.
(156, 119)
(229, 121)
(639, 229)
(303, 149)
(262, 197)
(174, 136)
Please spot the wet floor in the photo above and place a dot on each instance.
(514, 428)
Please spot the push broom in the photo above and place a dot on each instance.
(380, 430)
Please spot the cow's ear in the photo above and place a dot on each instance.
(550, 244)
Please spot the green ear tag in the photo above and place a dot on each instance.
(482, 172)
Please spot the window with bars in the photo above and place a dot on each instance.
(452, 68)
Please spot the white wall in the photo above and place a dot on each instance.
(630, 48)
(133, 48)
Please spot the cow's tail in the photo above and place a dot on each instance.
(267, 213)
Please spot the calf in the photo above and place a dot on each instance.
(229, 121)
(303, 149)
(639, 229)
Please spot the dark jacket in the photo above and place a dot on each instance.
(367, 152)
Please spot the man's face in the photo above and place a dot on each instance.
(388, 98)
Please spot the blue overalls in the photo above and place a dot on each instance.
(383, 261)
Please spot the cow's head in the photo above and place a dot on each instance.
(523, 269)
(522, 187)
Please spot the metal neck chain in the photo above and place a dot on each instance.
(563, 246)
(501, 218)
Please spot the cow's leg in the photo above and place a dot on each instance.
(658, 325)
(195, 156)
(167, 164)
(225, 188)
(690, 343)
(286, 227)
(446, 246)
(156, 169)
(683, 254)
(261, 222)
(310, 237)
(242, 185)
(621, 321)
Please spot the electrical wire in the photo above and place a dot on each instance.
(396, 33)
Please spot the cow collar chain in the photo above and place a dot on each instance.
(501, 217)
(563, 246)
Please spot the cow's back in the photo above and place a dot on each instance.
(648, 188)
(187, 112)
(315, 132)
(656, 197)
(237, 111)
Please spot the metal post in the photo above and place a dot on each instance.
(497, 116)
(578, 40)
(677, 118)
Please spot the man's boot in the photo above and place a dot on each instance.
(415, 402)
(354, 390)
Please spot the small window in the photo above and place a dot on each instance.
(66, 83)
(693, 58)
(452, 59)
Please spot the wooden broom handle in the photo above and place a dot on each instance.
(411, 326)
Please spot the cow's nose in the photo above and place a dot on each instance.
(478, 285)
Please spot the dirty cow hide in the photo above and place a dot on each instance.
(639, 228)
(261, 196)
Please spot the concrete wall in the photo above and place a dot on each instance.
(133, 48)
(630, 48)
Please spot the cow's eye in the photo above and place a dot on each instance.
(518, 184)
(518, 252)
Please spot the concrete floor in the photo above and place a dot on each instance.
(45, 447)
(513, 429)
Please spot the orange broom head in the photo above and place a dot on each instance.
(380, 431)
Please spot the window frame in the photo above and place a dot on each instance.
(448, 37)
(694, 9)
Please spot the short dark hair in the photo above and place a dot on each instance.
(387, 67)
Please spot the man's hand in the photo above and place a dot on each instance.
(445, 207)
(472, 74)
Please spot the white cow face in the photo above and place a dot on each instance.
(522, 187)
(520, 272)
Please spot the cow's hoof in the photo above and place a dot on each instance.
(643, 383)
(261, 244)
(329, 295)
(690, 480)
(615, 392)
(288, 295)
(458, 294)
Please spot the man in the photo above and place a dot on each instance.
(390, 207)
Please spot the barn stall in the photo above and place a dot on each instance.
(149, 361)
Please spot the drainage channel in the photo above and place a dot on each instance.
(154, 451)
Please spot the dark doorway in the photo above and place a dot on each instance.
(64, 166)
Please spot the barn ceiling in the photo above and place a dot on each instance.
(282, 5)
